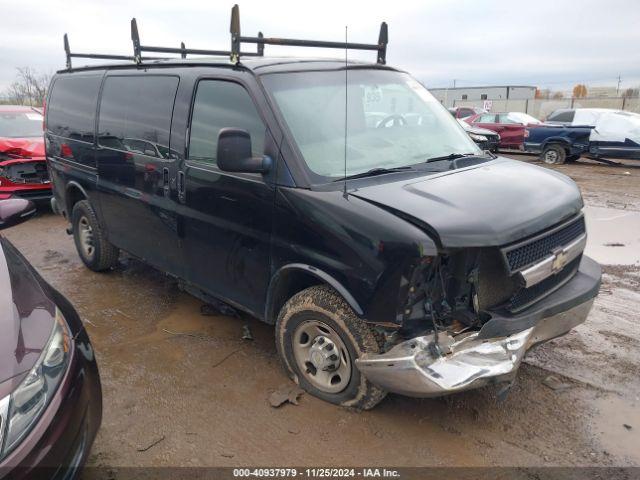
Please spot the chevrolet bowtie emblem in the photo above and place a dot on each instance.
(559, 260)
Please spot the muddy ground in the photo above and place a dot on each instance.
(189, 382)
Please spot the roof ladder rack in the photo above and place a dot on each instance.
(138, 49)
(237, 40)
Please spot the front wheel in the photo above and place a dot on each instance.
(553, 155)
(318, 338)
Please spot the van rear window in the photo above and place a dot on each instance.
(71, 110)
(135, 113)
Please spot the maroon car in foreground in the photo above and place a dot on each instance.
(23, 170)
(50, 394)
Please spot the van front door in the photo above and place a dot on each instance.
(227, 216)
(137, 168)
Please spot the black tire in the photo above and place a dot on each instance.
(103, 255)
(553, 154)
(322, 304)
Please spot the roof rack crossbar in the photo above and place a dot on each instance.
(237, 40)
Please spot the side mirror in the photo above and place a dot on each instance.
(14, 211)
(234, 153)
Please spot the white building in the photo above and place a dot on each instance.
(447, 96)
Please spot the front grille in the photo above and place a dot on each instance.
(533, 251)
(526, 296)
(29, 172)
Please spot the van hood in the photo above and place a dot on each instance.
(491, 204)
(27, 316)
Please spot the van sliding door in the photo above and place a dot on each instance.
(135, 164)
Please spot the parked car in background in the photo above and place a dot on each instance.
(50, 394)
(510, 125)
(23, 170)
(464, 112)
(485, 139)
(598, 133)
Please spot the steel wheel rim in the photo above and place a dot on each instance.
(551, 156)
(321, 356)
(85, 233)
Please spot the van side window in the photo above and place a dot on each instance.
(71, 110)
(135, 114)
(220, 104)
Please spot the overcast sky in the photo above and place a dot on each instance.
(547, 43)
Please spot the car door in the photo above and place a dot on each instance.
(511, 132)
(227, 216)
(135, 166)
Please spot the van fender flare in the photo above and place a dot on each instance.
(271, 315)
(73, 184)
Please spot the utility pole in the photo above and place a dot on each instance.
(618, 89)
(454, 83)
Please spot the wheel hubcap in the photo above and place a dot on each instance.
(86, 237)
(551, 156)
(321, 356)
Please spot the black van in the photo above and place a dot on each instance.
(339, 201)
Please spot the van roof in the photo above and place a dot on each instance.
(259, 65)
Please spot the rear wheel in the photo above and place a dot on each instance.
(318, 338)
(91, 243)
(553, 154)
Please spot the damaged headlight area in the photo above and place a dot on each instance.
(20, 410)
(448, 293)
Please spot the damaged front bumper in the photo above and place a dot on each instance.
(490, 355)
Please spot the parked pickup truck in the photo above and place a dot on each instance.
(599, 133)
(557, 144)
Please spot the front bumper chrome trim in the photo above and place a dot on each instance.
(467, 362)
(555, 262)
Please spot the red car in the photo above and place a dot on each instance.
(509, 125)
(23, 170)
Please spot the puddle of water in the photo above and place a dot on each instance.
(609, 427)
(614, 236)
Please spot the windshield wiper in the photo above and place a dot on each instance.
(373, 172)
(451, 156)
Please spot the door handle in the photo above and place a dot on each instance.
(165, 181)
(181, 186)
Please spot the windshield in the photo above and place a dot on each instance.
(392, 120)
(20, 124)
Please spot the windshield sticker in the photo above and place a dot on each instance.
(372, 94)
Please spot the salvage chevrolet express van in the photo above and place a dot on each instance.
(338, 201)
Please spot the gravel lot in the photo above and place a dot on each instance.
(172, 374)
